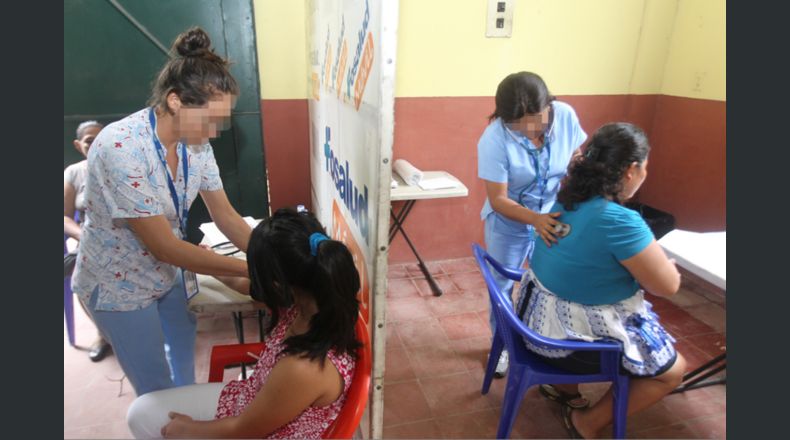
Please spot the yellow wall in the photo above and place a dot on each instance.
(282, 54)
(696, 66)
(658, 20)
(580, 47)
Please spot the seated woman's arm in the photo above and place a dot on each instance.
(293, 385)
(654, 271)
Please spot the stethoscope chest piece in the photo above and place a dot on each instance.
(562, 229)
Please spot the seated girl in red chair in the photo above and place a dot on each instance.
(300, 382)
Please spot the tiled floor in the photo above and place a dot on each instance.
(437, 348)
(95, 401)
(435, 355)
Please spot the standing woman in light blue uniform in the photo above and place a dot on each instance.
(523, 155)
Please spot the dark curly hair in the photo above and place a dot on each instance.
(279, 260)
(518, 94)
(599, 171)
(194, 72)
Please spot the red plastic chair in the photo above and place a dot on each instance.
(357, 398)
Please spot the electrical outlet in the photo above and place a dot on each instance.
(499, 21)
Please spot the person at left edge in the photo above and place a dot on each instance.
(144, 172)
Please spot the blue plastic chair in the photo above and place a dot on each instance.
(68, 302)
(527, 368)
(68, 296)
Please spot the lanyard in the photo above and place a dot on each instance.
(183, 212)
(543, 181)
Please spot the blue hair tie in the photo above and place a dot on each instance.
(315, 239)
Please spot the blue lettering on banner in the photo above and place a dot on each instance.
(352, 69)
(356, 202)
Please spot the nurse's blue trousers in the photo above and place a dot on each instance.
(512, 250)
(154, 345)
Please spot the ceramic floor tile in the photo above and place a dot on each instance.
(453, 394)
(414, 271)
(538, 418)
(393, 340)
(407, 309)
(429, 361)
(404, 402)
(426, 429)
(713, 344)
(402, 288)
(444, 282)
(469, 281)
(678, 430)
(710, 427)
(693, 355)
(711, 314)
(454, 303)
(472, 352)
(398, 366)
(421, 332)
(396, 271)
(464, 325)
(473, 425)
(459, 265)
(693, 404)
(652, 417)
(681, 323)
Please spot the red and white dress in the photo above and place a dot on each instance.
(314, 420)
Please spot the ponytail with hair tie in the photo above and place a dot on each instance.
(611, 150)
(315, 239)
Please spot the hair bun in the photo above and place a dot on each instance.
(195, 42)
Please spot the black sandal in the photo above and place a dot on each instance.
(574, 401)
(568, 422)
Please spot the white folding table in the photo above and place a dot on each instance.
(410, 194)
(214, 296)
(704, 254)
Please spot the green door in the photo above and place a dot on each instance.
(112, 53)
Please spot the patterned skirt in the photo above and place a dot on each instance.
(647, 347)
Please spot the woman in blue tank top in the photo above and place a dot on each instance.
(595, 275)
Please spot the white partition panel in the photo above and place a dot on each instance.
(351, 53)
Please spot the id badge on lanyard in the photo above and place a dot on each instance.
(190, 283)
(189, 278)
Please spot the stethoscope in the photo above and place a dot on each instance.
(542, 181)
(226, 248)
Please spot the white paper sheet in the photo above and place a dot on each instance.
(437, 183)
(214, 236)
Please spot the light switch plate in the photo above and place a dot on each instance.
(499, 21)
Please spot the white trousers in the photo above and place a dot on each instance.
(148, 413)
